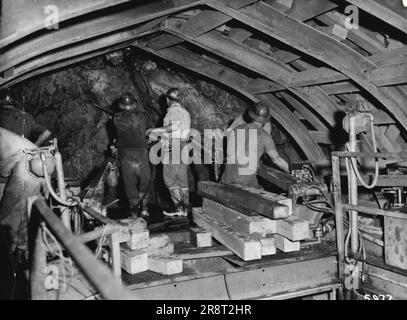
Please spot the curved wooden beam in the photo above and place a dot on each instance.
(35, 66)
(384, 11)
(88, 29)
(258, 62)
(292, 125)
(318, 45)
(34, 16)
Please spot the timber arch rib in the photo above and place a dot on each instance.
(295, 55)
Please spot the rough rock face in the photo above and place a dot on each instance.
(62, 102)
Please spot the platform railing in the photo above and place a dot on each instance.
(97, 273)
(340, 207)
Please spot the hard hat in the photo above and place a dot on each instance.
(127, 101)
(260, 113)
(174, 94)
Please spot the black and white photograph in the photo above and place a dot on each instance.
(203, 155)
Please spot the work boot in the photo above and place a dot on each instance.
(179, 212)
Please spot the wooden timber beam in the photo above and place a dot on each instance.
(291, 124)
(203, 66)
(318, 45)
(88, 29)
(304, 111)
(21, 18)
(362, 36)
(307, 9)
(384, 12)
(389, 75)
(261, 64)
(63, 63)
(34, 66)
(316, 76)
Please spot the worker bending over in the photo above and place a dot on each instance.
(247, 134)
(175, 133)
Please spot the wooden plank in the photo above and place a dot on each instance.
(201, 238)
(268, 246)
(243, 246)
(307, 9)
(304, 111)
(163, 41)
(258, 86)
(222, 46)
(243, 201)
(291, 124)
(191, 253)
(359, 36)
(286, 245)
(205, 67)
(389, 75)
(321, 137)
(276, 177)
(139, 240)
(387, 58)
(87, 29)
(320, 102)
(318, 45)
(383, 12)
(203, 22)
(164, 265)
(339, 88)
(208, 20)
(269, 196)
(293, 228)
(238, 221)
(133, 261)
(32, 13)
(316, 76)
(239, 34)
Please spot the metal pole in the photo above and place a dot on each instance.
(353, 186)
(98, 274)
(62, 190)
(340, 239)
(37, 273)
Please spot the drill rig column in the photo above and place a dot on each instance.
(353, 183)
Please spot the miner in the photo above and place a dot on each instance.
(131, 124)
(175, 134)
(247, 142)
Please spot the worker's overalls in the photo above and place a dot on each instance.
(131, 126)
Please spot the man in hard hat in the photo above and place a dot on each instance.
(247, 142)
(131, 124)
(175, 132)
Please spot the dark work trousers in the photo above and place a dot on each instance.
(135, 167)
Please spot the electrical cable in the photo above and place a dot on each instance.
(354, 162)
